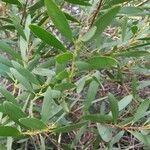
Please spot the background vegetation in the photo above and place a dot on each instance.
(74, 74)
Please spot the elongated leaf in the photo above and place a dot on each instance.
(130, 10)
(18, 27)
(44, 72)
(4, 70)
(15, 2)
(62, 58)
(125, 102)
(98, 118)
(83, 66)
(143, 84)
(21, 79)
(68, 128)
(114, 107)
(69, 17)
(80, 84)
(87, 36)
(103, 21)
(24, 72)
(49, 107)
(105, 132)
(32, 123)
(33, 63)
(117, 137)
(48, 63)
(47, 37)
(9, 131)
(7, 95)
(36, 6)
(141, 110)
(62, 75)
(134, 54)
(65, 86)
(102, 62)
(141, 137)
(110, 3)
(91, 94)
(79, 2)
(58, 19)
(124, 26)
(14, 112)
(4, 47)
(5, 61)
(2, 109)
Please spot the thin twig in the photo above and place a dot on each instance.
(96, 12)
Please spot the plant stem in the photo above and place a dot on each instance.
(96, 12)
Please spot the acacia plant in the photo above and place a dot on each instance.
(56, 57)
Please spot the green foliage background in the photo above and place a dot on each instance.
(56, 58)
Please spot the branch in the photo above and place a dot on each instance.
(96, 12)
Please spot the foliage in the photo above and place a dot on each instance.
(54, 63)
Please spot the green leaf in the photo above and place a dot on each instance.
(125, 102)
(69, 17)
(2, 109)
(58, 19)
(4, 70)
(65, 86)
(59, 67)
(98, 118)
(33, 123)
(5, 61)
(49, 107)
(141, 137)
(44, 72)
(68, 128)
(105, 132)
(48, 63)
(141, 110)
(103, 21)
(21, 79)
(2, 147)
(55, 94)
(124, 26)
(33, 63)
(7, 95)
(116, 138)
(143, 84)
(13, 111)
(134, 86)
(62, 58)
(88, 35)
(129, 10)
(102, 62)
(18, 27)
(83, 66)
(79, 2)
(15, 2)
(24, 72)
(134, 29)
(4, 47)
(91, 94)
(110, 3)
(62, 75)
(36, 6)
(114, 107)
(134, 54)
(47, 37)
(80, 84)
(9, 131)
